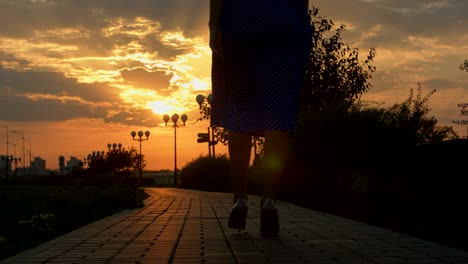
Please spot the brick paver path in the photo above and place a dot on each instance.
(187, 226)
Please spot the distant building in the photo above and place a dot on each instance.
(61, 165)
(5, 166)
(71, 164)
(38, 166)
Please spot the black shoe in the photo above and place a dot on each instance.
(238, 216)
(269, 220)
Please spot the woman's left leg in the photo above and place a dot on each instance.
(274, 161)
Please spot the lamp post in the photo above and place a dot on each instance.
(85, 161)
(14, 160)
(175, 118)
(11, 160)
(205, 137)
(114, 157)
(94, 160)
(22, 151)
(7, 161)
(115, 145)
(30, 154)
(140, 139)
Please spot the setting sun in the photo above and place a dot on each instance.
(161, 108)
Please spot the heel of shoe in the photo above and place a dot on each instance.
(237, 218)
(269, 222)
(238, 215)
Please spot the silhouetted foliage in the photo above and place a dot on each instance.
(219, 132)
(377, 165)
(207, 173)
(463, 106)
(335, 76)
(464, 66)
(364, 137)
(412, 116)
(463, 112)
(115, 161)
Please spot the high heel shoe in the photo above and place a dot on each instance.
(269, 220)
(238, 216)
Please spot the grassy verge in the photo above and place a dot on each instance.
(35, 213)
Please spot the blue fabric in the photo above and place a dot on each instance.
(256, 84)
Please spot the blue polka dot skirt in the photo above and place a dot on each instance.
(256, 84)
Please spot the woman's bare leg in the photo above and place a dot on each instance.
(274, 161)
(239, 156)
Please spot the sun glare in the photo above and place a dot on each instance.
(200, 85)
(161, 108)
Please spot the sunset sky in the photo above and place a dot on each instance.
(76, 75)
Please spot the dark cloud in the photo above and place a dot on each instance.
(10, 59)
(17, 108)
(50, 96)
(141, 78)
(439, 84)
(32, 95)
(135, 117)
(57, 84)
(22, 17)
(153, 44)
(190, 15)
(86, 19)
(399, 19)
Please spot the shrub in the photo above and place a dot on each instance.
(207, 173)
(393, 167)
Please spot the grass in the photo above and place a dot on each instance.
(36, 213)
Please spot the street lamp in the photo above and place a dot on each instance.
(30, 154)
(7, 169)
(10, 160)
(140, 139)
(22, 150)
(205, 137)
(175, 118)
(14, 159)
(114, 146)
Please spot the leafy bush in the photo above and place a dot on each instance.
(412, 116)
(336, 77)
(114, 161)
(393, 167)
(207, 173)
(367, 137)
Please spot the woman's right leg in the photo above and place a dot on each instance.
(240, 146)
(239, 156)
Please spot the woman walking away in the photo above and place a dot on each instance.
(260, 50)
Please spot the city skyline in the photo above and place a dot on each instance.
(77, 75)
(158, 149)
